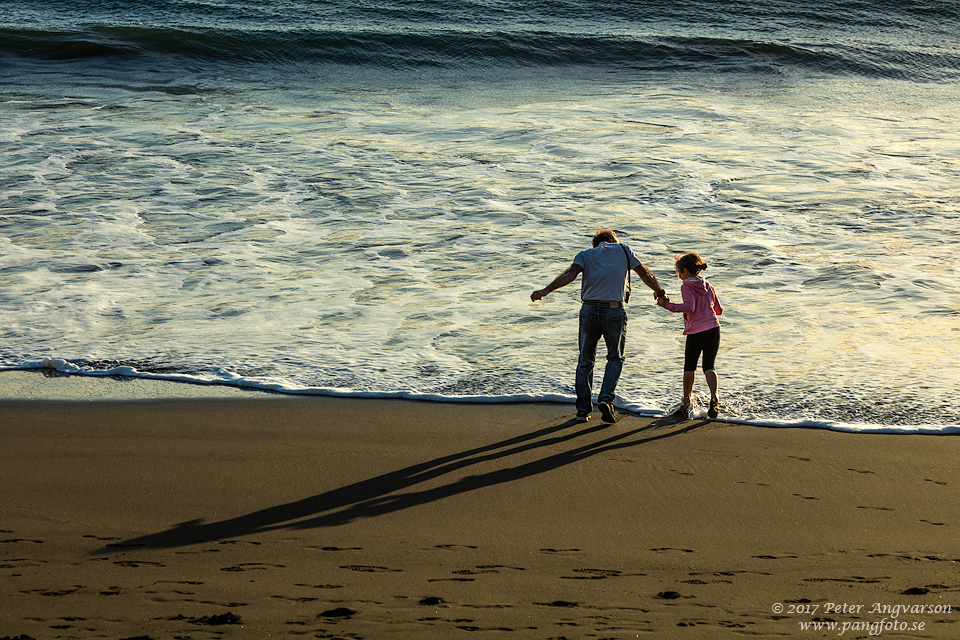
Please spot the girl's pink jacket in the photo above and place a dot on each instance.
(700, 306)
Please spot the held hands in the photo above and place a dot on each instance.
(661, 297)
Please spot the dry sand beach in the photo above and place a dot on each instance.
(239, 514)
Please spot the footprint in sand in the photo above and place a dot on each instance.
(19, 563)
(252, 566)
(300, 600)
(455, 546)
(911, 558)
(338, 548)
(228, 605)
(936, 559)
(452, 580)
(806, 497)
(54, 594)
(216, 620)
(936, 524)
(179, 592)
(369, 569)
(663, 549)
(64, 626)
(562, 552)
(851, 579)
(727, 624)
(699, 581)
(473, 572)
(557, 603)
(877, 508)
(138, 563)
(592, 574)
(943, 484)
(730, 574)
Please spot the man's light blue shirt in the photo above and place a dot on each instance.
(605, 271)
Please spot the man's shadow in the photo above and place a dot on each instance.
(379, 495)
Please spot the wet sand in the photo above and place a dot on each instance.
(252, 515)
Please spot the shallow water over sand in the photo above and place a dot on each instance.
(358, 199)
(371, 242)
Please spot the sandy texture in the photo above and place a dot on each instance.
(275, 516)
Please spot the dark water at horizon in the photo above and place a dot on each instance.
(914, 41)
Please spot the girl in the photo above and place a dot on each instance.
(700, 309)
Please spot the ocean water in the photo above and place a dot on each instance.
(357, 198)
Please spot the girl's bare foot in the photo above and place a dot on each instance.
(714, 409)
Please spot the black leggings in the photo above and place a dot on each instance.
(706, 342)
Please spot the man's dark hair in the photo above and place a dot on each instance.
(604, 235)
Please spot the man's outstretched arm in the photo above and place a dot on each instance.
(650, 280)
(561, 280)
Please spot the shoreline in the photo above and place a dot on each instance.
(339, 517)
(54, 385)
(51, 384)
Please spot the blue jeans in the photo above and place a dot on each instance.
(611, 325)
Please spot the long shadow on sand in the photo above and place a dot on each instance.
(379, 495)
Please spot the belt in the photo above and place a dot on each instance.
(603, 303)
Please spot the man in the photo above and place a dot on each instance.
(605, 268)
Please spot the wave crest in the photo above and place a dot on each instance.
(464, 48)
